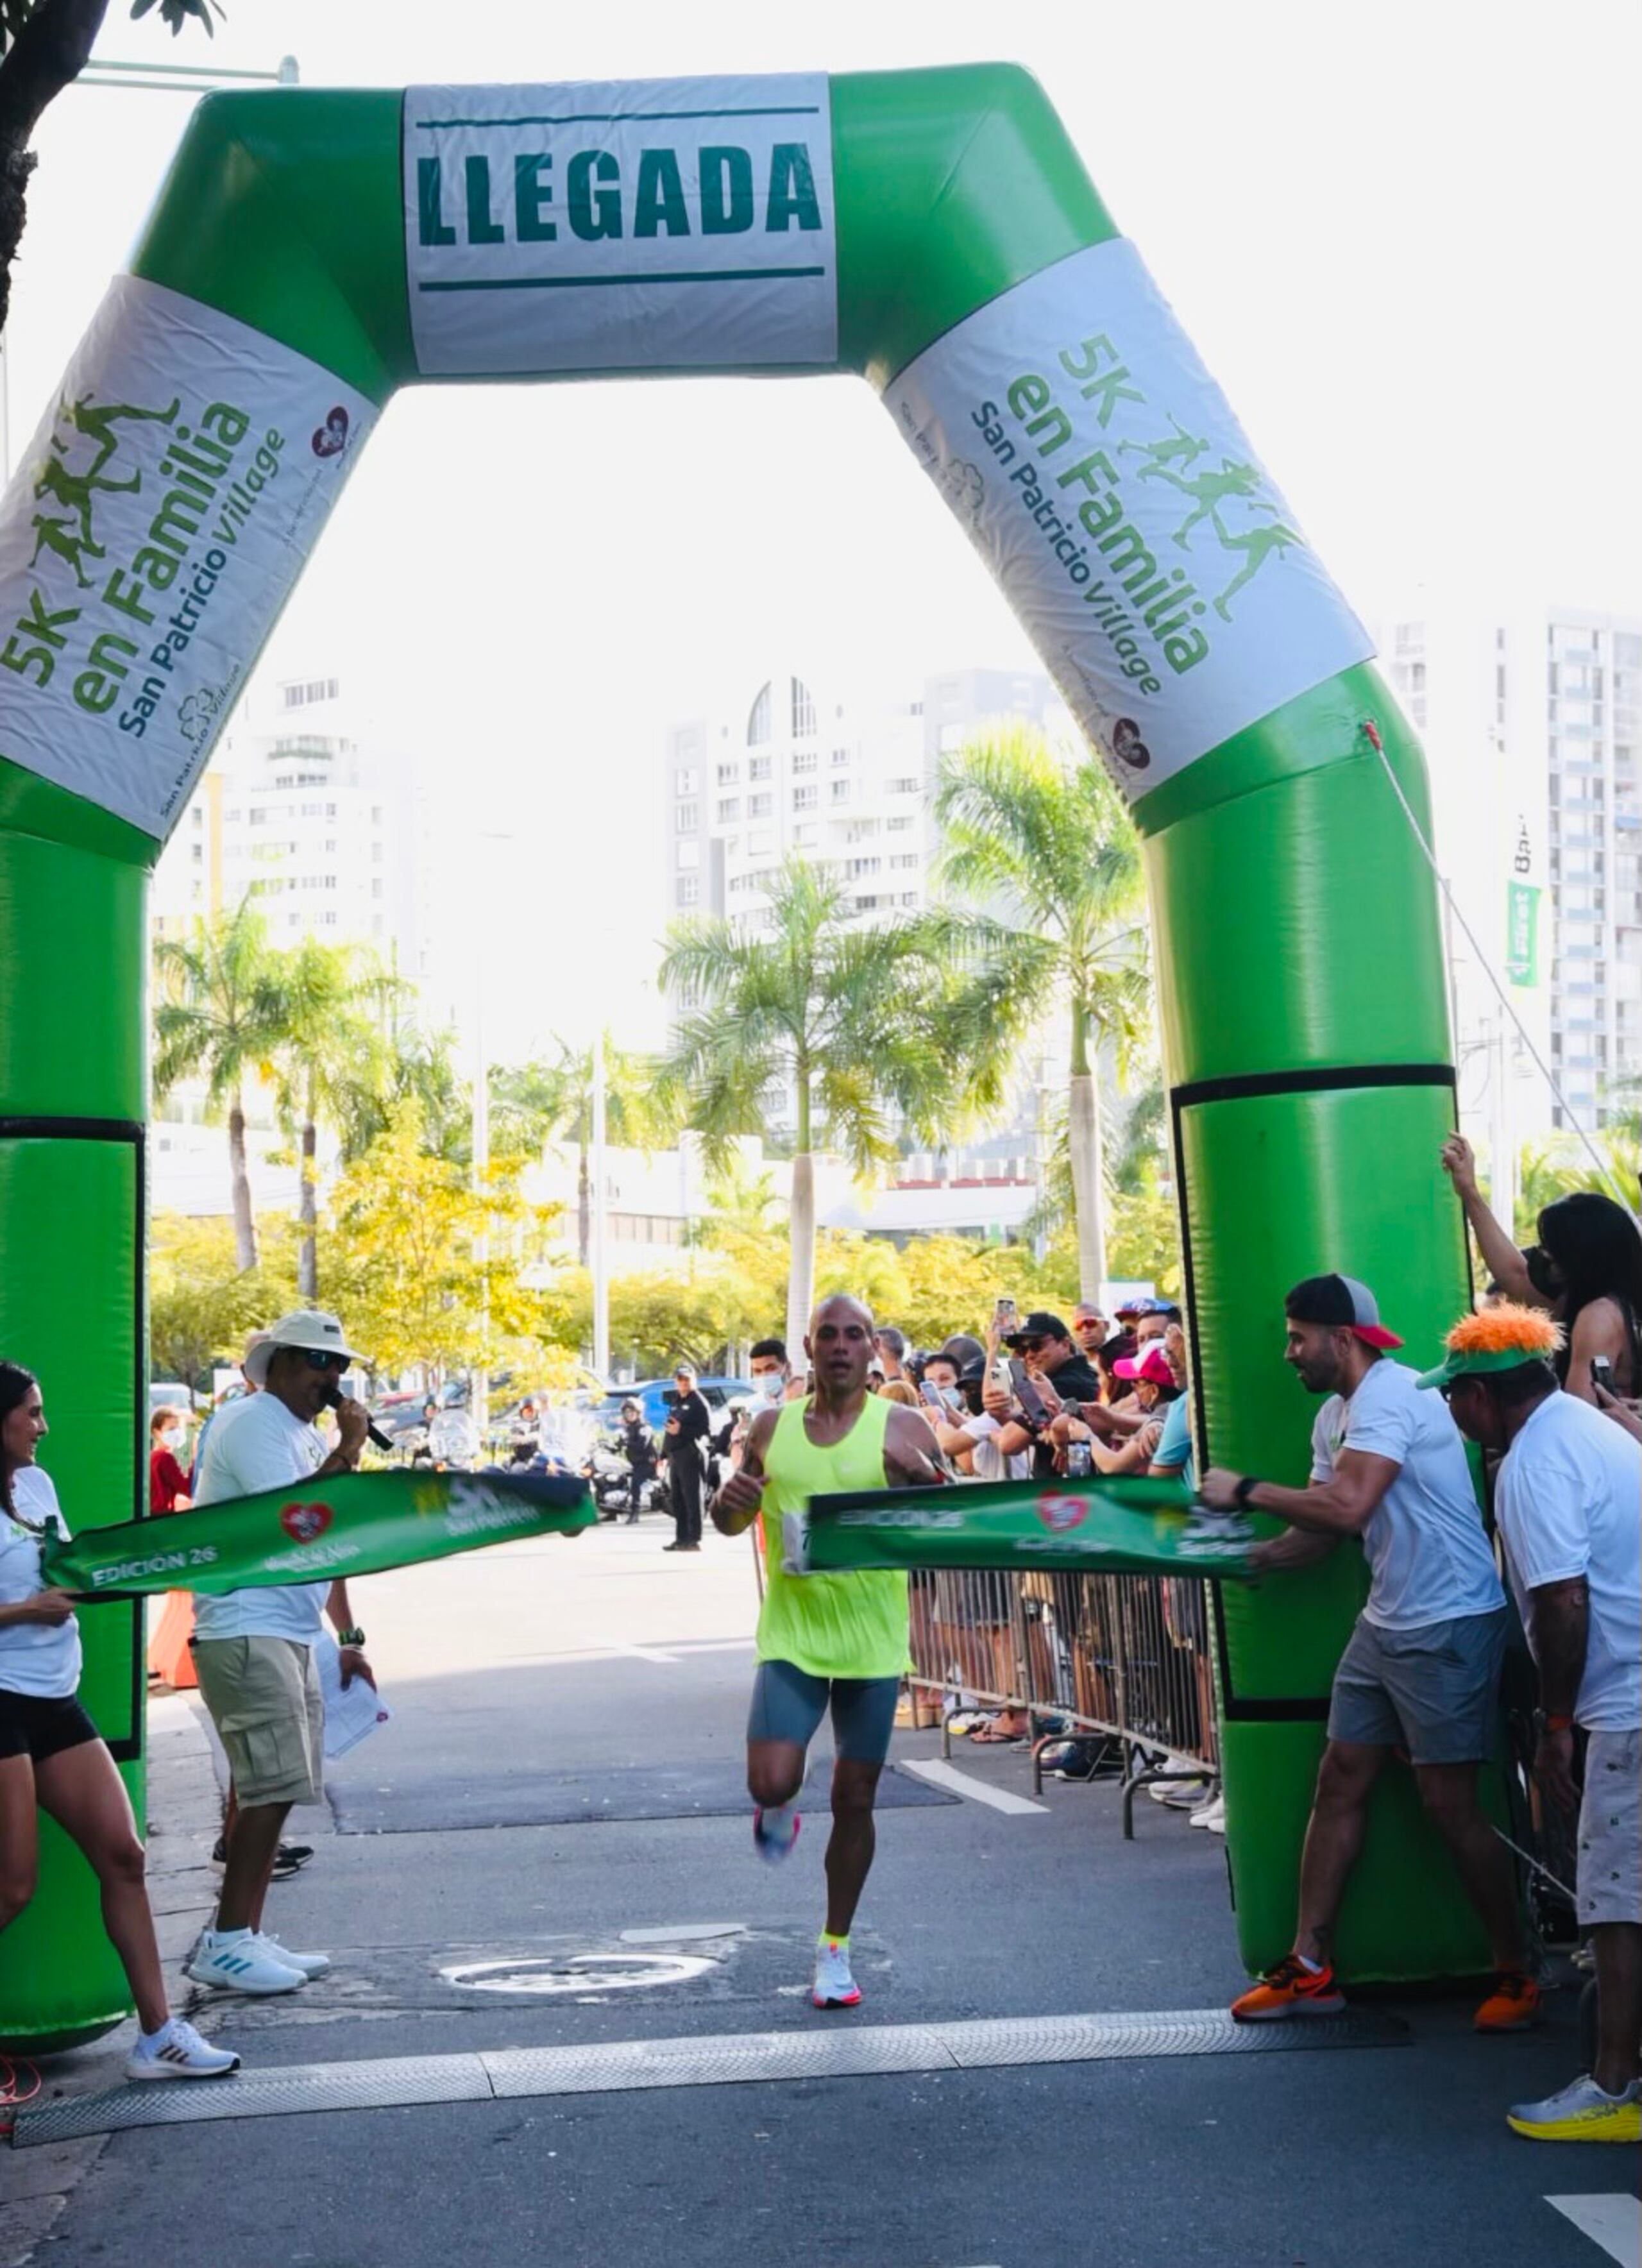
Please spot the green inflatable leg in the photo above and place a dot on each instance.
(71, 1303)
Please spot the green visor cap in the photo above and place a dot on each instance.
(1472, 1361)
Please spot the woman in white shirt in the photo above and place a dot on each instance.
(51, 1757)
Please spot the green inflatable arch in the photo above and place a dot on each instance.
(936, 232)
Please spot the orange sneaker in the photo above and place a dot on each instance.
(1290, 1988)
(1512, 2006)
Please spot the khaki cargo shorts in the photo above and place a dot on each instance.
(263, 1694)
(1609, 1885)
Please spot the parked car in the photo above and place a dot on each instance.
(651, 1394)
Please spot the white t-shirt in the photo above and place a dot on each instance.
(988, 1461)
(1428, 1556)
(34, 1658)
(264, 1447)
(1569, 1502)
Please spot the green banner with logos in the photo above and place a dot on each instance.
(1094, 1527)
(1522, 933)
(353, 1524)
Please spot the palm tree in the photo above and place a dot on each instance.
(534, 1104)
(1044, 867)
(843, 1021)
(218, 1013)
(331, 1063)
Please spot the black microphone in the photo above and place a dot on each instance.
(373, 1433)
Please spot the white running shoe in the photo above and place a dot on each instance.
(236, 1960)
(834, 1986)
(1211, 1814)
(177, 2051)
(775, 1832)
(310, 1964)
(1581, 2112)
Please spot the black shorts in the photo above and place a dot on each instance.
(33, 1726)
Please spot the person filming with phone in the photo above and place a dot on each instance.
(1026, 1394)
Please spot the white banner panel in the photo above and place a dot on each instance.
(1100, 473)
(149, 538)
(621, 224)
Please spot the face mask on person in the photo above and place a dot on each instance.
(769, 1386)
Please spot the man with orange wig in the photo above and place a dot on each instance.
(1569, 1501)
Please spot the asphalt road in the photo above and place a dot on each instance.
(561, 1774)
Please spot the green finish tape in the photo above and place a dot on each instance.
(310, 252)
(349, 1524)
(1093, 1527)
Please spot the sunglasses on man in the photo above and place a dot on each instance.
(323, 1358)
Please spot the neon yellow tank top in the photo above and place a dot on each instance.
(831, 1625)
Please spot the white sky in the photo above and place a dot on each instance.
(1402, 236)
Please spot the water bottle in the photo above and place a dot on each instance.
(1078, 1461)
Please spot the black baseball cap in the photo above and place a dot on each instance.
(1039, 1325)
(1342, 1303)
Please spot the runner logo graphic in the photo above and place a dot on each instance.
(65, 478)
(304, 1523)
(1234, 483)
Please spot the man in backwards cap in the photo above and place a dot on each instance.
(1421, 1669)
(1567, 1496)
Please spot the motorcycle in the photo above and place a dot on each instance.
(610, 1475)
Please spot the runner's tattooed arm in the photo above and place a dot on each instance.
(736, 1504)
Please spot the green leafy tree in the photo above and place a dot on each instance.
(331, 1065)
(836, 1022)
(201, 1308)
(1044, 869)
(44, 46)
(432, 1272)
(220, 1015)
(534, 1104)
(417, 1071)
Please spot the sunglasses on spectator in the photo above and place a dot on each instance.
(1031, 1347)
(323, 1358)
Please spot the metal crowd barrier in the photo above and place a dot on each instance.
(1126, 1656)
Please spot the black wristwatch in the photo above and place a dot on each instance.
(1244, 1490)
(350, 1637)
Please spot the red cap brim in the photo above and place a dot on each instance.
(1376, 1335)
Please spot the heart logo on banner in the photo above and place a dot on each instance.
(1060, 1513)
(303, 1523)
(331, 439)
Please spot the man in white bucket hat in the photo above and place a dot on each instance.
(253, 1649)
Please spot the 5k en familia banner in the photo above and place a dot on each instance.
(149, 538)
(352, 1524)
(1122, 1526)
(1099, 470)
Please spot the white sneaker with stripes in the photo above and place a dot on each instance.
(311, 1965)
(235, 1961)
(177, 2051)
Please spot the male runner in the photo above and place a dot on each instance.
(837, 1638)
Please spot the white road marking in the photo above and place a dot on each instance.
(638, 1653)
(1614, 2221)
(978, 1791)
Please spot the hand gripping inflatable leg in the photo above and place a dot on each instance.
(935, 233)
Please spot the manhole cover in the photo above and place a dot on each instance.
(577, 1972)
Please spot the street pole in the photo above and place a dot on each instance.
(601, 1277)
(479, 1378)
